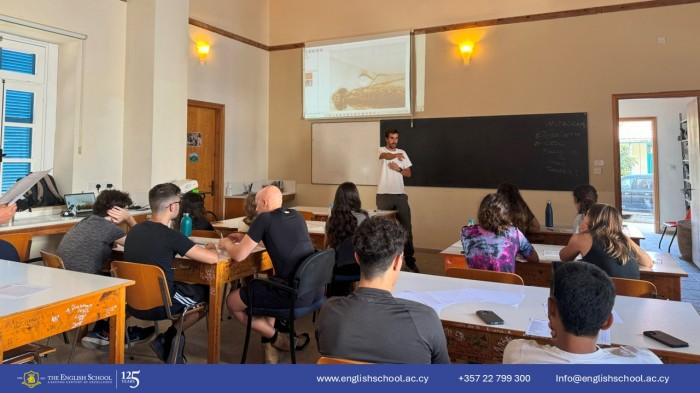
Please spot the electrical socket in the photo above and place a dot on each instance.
(92, 186)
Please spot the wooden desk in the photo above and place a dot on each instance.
(316, 229)
(215, 275)
(470, 340)
(321, 213)
(75, 299)
(665, 274)
(560, 235)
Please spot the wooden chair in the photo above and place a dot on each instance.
(634, 288)
(206, 233)
(54, 261)
(151, 291)
(484, 275)
(328, 360)
(22, 243)
(672, 224)
(308, 216)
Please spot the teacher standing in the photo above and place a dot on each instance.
(394, 165)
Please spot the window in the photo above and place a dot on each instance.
(23, 70)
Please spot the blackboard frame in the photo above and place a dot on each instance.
(534, 152)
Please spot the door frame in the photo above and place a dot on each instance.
(219, 112)
(654, 148)
(616, 98)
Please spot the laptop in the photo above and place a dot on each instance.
(80, 204)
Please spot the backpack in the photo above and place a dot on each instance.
(43, 193)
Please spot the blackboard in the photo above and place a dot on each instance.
(534, 152)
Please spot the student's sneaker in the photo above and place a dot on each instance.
(158, 346)
(138, 335)
(96, 340)
(270, 354)
(282, 341)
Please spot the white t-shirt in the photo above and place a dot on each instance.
(391, 181)
(531, 352)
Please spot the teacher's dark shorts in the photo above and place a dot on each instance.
(268, 297)
(183, 294)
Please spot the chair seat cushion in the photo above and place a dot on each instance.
(671, 223)
(284, 312)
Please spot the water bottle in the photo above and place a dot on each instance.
(471, 222)
(549, 215)
(186, 224)
(330, 209)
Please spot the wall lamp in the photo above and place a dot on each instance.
(202, 51)
(466, 50)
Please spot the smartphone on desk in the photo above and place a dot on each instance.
(665, 338)
(489, 317)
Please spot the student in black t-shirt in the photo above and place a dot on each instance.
(286, 238)
(153, 242)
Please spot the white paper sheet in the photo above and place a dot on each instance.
(437, 300)
(22, 186)
(17, 291)
(540, 328)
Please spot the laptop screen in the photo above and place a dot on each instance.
(80, 202)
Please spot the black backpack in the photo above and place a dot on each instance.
(43, 193)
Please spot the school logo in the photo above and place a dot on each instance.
(31, 379)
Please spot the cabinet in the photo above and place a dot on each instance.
(685, 161)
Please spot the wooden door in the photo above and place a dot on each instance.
(205, 151)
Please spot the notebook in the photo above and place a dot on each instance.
(80, 204)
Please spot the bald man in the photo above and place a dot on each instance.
(286, 238)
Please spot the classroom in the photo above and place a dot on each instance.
(127, 68)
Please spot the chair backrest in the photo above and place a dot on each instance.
(206, 233)
(52, 260)
(484, 275)
(150, 289)
(22, 243)
(315, 271)
(8, 251)
(327, 360)
(345, 253)
(634, 288)
(308, 216)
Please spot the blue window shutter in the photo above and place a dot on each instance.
(18, 142)
(24, 63)
(19, 106)
(11, 171)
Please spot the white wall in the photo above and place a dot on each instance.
(100, 112)
(666, 110)
(236, 75)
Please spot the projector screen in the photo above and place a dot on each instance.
(366, 77)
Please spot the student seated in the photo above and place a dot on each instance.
(346, 215)
(87, 247)
(193, 203)
(520, 214)
(494, 243)
(371, 325)
(153, 242)
(585, 196)
(579, 306)
(603, 244)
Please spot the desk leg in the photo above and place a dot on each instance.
(117, 324)
(216, 291)
(1, 350)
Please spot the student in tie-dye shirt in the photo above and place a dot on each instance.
(494, 243)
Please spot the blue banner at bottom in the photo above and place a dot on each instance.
(346, 378)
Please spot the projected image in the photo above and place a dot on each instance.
(364, 78)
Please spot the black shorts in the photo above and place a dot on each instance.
(268, 297)
(183, 294)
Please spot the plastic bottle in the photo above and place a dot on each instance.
(471, 222)
(330, 209)
(186, 225)
(549, 215)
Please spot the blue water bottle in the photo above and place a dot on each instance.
(186, 224)
(549, 215)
